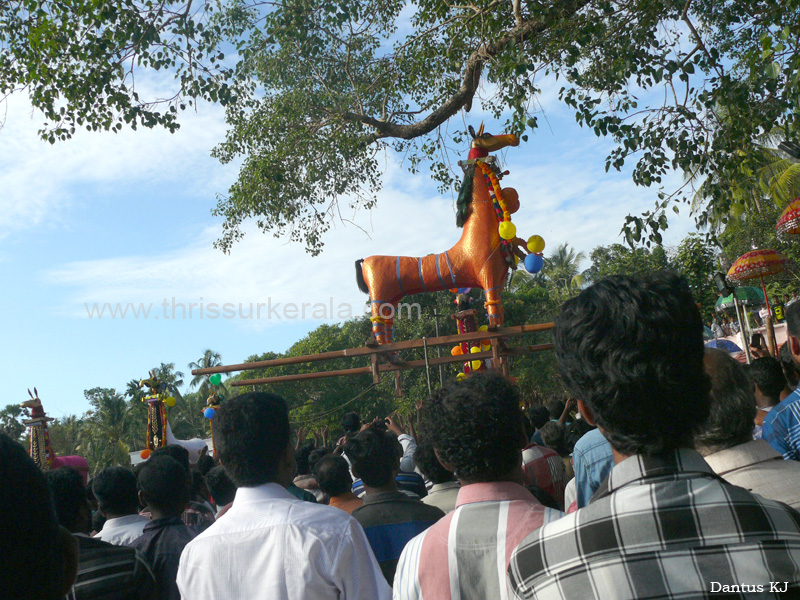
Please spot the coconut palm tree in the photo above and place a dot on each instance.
(208, 360)
(561, 268)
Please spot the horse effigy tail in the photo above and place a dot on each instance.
(362, 285)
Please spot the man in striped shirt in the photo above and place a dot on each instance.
(476, 429)
(663, 524)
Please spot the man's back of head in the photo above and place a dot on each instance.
(39, 561)
(766, 373)
(733, 405)
(220, 486)
(375, 457)
(115, 491)
(631, 350)
(426, 461)
(476, 427)
(163, 486)
(251, 433)
(333, 476)
(69, 496)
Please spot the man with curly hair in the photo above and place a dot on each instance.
(477, 432)
(662, 524)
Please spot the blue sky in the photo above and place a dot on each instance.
(125, 218)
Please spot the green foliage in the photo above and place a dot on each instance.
(11, 423)
(694, 259)
(617, 259)
(320, 90)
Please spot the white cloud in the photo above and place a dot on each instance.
(39, 180)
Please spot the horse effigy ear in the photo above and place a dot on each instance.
(29, 393)
(36, 392)
(480, 130)
(471, 131)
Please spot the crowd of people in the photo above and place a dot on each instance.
(671, 471)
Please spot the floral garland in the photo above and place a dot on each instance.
(503, 216)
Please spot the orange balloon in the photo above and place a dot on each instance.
(511, 198)
(456, 351)
(145, 454)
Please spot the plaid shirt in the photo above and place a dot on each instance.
(662, 528)
(543, 467)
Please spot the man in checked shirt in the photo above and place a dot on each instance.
(662, 524)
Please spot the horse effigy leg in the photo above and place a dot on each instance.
(494, 307)
(378, 323)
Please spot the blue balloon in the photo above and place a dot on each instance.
(464, 290)
(209, 413)
(534, 263)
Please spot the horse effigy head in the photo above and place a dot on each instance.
(34, 402)
(153, 384)
(483, 143)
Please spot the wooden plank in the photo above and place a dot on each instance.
(394, 367)
(382, 349)
(302, 376)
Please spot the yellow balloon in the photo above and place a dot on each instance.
(486, 347)
(508, 231)
(483, 328)
(169, 401)
(475, 364)
(474, 349)
(461, 377)
(535, 244)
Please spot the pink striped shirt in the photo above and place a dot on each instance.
(466, 554)
(545, 468)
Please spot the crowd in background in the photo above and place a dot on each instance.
(671, 471)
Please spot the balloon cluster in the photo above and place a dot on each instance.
(214, 380)
(484, 346)
(534, 261)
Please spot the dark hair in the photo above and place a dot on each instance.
(199, 486)
(733, 406)
(767, 374)
(375, 456)
(177, 452)
(555, 407)
(539, 416)
(301, 458)
(792, 317)
(205, 463)
(220, 486)
(251, 432)
(32, 564)
(316, 455)
(163, 484)
(476, 426)
(790, 371)
(553, 436)
(631, 347)
(576, 431)
(426, 461)
(115, 490)
(69, 497)
(98, 520)
(351, 422)
(333, 475)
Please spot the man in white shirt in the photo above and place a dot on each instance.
(116, 494)
(270, 544)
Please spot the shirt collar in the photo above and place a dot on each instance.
(123, 521)
(386, 497)
(447, 485)
(161, 523)
(637, 469)
(492, 491)
(741, 456)
(260, 493)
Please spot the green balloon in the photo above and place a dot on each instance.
(215, 379)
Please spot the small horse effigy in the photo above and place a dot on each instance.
(480, 259)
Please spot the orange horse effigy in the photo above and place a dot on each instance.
(481, 258)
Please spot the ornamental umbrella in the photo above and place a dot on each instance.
(790, 219)
(758, 264)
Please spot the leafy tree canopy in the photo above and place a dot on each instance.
(318, 89)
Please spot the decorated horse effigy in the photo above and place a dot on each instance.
(159, 432)
(40, 449)
(481, 258)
